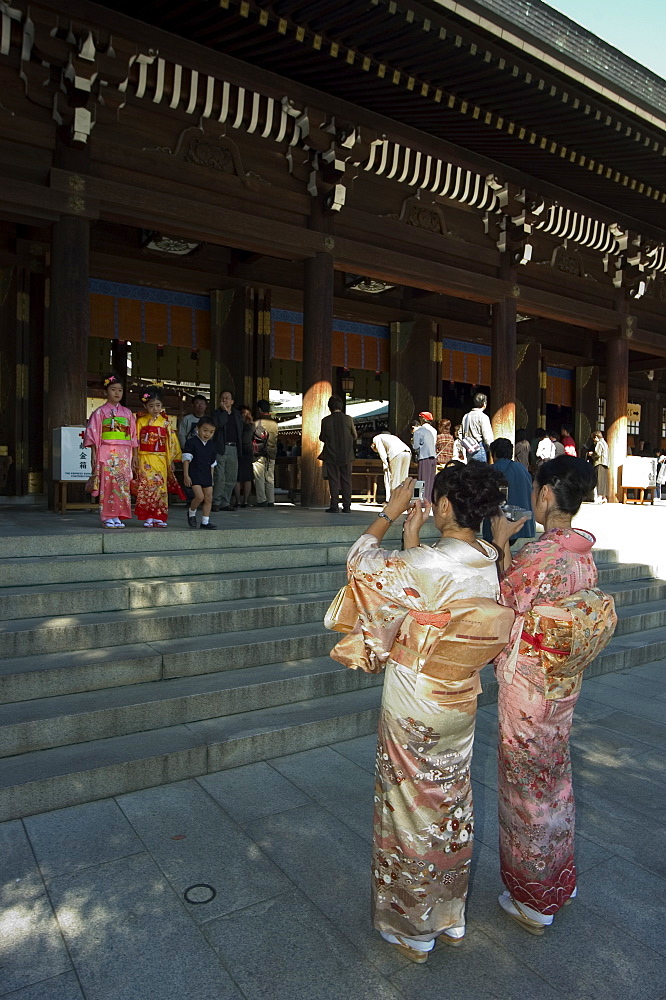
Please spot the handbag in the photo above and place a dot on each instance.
(342, 614)
(470, 444)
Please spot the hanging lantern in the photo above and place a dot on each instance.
(347, 382)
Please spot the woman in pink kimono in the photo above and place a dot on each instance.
(111, 434)
(536, 803)
(429, 616)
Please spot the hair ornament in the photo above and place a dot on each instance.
(109, 381)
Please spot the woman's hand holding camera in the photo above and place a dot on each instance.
(504, 529)
(401, 499)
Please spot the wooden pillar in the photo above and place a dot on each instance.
(650, 420)
(11, 458)
(586, 405)
(262, 347)
(617, 397)
(416, 373)
(317, 364)
(503, 386)
(227, 344)
(528, 386)
(69, 322)
(66, 365)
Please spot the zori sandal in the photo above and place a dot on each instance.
(517, 913)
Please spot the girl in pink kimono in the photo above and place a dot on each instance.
(536, 803)
(111, 434)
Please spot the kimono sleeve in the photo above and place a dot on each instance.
(392, 575)
(519, 586)
(134, 441)
(93, 432)
(175, 453)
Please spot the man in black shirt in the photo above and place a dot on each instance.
(228, 438)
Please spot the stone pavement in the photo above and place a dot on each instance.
(93, 896)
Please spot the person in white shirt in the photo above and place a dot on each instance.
(190, 421)
(395, 456)
(424, 443)
(477, 432)
(545, 450)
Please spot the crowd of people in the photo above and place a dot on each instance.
(222, 454)
(430, 617)
(236, 449)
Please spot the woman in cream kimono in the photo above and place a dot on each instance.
(429, 617)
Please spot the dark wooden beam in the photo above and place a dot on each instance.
(207, 61)
(647, 364)
(644, 341)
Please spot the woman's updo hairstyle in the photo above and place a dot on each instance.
(472, 490)
(570, 479)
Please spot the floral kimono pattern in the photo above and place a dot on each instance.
(536, 802)
(423, 819)
(112, 430)
(158, 448)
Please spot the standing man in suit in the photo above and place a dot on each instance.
(338, 434)
(229, 440)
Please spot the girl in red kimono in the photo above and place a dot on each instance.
(159, 448)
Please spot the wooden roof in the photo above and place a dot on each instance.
(434, 71)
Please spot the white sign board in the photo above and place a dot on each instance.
(71, 461)
(639, 473)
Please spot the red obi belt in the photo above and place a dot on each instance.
(536, 642)
(153, 439)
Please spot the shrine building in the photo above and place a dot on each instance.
(423, 199)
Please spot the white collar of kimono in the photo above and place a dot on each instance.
(466, 553)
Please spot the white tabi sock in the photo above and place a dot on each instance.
(409, 942)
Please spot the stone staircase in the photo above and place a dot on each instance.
(124, 667)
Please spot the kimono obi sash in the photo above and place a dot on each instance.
(153, 439)
(115, 429)
(451, 646)
(563, 638)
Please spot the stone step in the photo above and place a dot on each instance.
(51, 722)
(52, 600)
(116, 567)
(54, 674)
(243, 534)
(610, 573)
(43, 723)
(32, 636)
(641, 617)
(83, 772)
(639, 592)
(116, 581)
